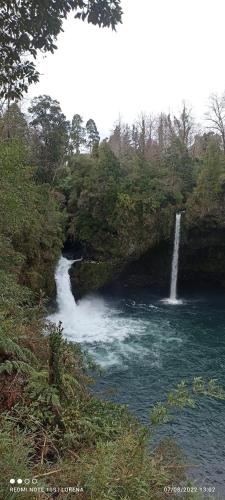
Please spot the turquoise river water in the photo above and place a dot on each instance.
(146, 347)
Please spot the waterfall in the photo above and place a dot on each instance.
(175, 261)
(88, 321)
(65, 299)
(93, 321)
(108, 329)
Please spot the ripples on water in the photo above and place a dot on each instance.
(146, 347)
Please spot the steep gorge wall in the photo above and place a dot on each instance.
(134, 239)
(202, 259)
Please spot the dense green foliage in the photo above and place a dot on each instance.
(116, 199)
(30, 227)
(208, 198)
(121, 201)
(49, 134)
(52, 427)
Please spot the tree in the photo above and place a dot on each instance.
(142, 136)
(183, 126)
(27, 26)
(216, 116)
(135, 137)
(115, 140)
(109, 166)
(13, 124)
(50, 136)
(150, 135)
(126, 141)
(180, 166)
(208, 196)
(78, 133)
(30, 223)
(163, 131)
(93, 137)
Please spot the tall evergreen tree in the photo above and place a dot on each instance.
(183, 126)
(78, 133)
(93, 137)
(135, 137)
(142, 137)
(50, 136)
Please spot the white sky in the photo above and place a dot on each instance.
(164, 52)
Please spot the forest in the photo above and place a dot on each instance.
(115, 199)
(112, 201)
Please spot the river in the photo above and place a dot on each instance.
(147, 346)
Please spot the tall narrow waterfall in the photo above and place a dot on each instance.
(175, 262)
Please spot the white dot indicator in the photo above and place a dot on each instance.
(12, 481)
(19, 481)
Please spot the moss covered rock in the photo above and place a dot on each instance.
(88, 276)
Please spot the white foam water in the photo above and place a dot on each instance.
(111, 334)
(92, 320)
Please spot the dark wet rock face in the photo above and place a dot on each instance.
(88, 276)
(202, 260)
(203, 255)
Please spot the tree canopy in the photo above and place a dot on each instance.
(28, 26)
(77, 134)
(50, 135)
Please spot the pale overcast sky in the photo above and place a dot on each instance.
(166, 51)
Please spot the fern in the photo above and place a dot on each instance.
(182, 397)
(8, 347)
(9, 367)
(70, 384)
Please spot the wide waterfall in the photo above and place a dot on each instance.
(97, 323)
(91, 321)
(175, 262)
